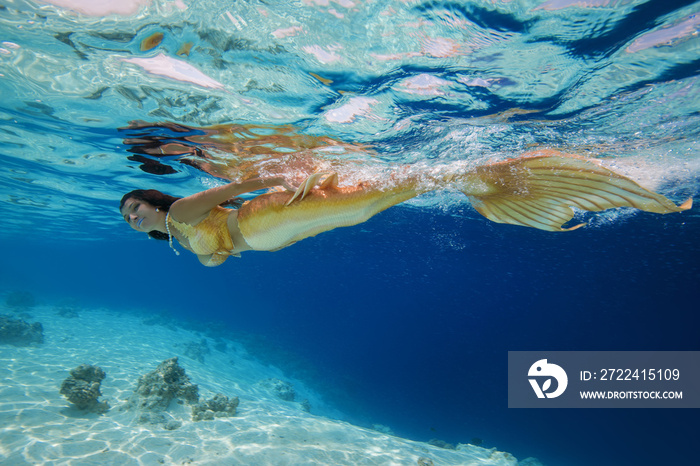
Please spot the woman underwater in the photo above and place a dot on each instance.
(537, 190)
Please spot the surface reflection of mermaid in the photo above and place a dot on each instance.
(231, 152)
(537, 190)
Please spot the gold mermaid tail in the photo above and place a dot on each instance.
(276, 220)
(538, 191)
(535, 191)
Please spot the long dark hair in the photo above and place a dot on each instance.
(154, 197)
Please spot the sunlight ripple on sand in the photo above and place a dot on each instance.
(40, 427)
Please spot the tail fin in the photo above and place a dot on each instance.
(539, 191)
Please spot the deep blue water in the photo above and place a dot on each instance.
(401, 328)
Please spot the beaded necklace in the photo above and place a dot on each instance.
(170, 236)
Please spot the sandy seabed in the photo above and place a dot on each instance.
(39, 426)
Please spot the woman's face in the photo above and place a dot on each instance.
(140, 215)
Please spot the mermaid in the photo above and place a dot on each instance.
(537, 190)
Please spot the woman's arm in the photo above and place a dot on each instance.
(194, 208)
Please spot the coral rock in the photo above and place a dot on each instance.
(82, 388)
(20, 333)
(281, 389)
(219, 406)
(158, 388)
(441, 443)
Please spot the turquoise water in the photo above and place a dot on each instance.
(428, 289)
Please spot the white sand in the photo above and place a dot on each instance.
(39, 426)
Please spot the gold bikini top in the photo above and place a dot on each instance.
(210, 236)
